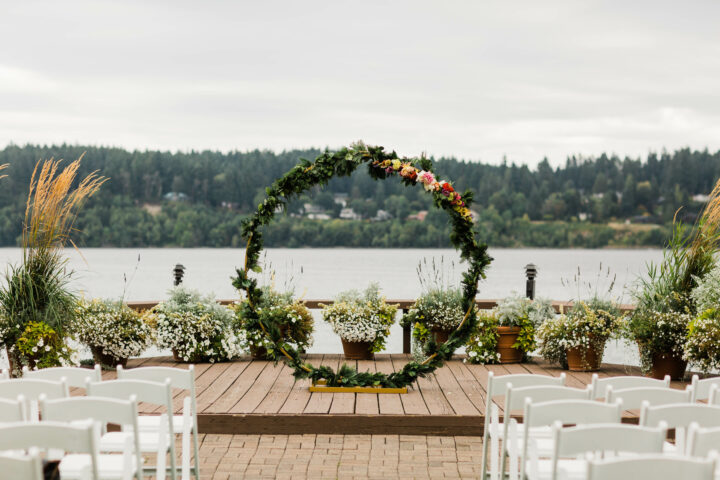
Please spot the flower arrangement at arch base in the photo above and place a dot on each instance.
(381, 165)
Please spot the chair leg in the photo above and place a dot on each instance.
(196, 468)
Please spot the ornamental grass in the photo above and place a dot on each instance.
(35, 301)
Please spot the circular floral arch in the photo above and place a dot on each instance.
(412, 171)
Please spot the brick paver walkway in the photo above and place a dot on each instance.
(226, 457)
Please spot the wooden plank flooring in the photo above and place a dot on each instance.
(248, 396)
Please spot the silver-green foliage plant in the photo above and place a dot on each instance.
(111, 327)
(707, 293)
(196, 327)
(517, 311)
(361, 317)
(588, 324)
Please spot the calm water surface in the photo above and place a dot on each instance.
(146, 274)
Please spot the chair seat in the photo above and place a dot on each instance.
(115, 442)
(543, 446)
(573, 469)
(150, 423)
(110, 467)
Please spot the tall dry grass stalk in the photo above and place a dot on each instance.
(53, 205)
(3, 167)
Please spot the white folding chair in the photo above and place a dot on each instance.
(701, 388)
(600, 385)
(496, 387)
(679, 416)
(80, 439)
(515, 400)
(180, 378)
(108, 410)
(12, 411)
(149, 392)
(570, 444)
(545, 414)
(25, 467)
(714, 397)
(31, 389)
(74, 376)
(702, 441)
(4, 374)
(652, 467)
(633, 398)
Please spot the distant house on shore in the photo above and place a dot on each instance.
(420, 216)
(382, 215)
(349, 214)
(175, 197)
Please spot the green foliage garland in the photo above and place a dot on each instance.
(381, 165)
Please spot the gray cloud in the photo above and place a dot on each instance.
(477, 80)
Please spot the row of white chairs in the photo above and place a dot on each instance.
(619, 393)
(147, 384)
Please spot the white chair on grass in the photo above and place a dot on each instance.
(545, 414)
(570, 444)
(180, 378)
(679, 416)
(25, 467)
(74, 376)
(149, 392)
(496, 388)
(633, 398)
(104, 411)
(81, 439)
(31, 389)
(12, 411)
(600, 385)
(515, 399)
(651, 467)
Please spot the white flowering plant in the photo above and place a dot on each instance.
(528, 314)
(111, 329)
(702, 347)
(658, 332)
(278, 310)
(361, 317)
(482, 345)
(587, 325)
(195, 327)
(438, 309)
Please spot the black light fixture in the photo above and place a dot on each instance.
(530, 273)
(178, 273)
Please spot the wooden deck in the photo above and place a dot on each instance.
(258, 397)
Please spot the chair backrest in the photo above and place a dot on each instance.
(655, 467)
(702, 441)
(634, 397)
(13, 410)
(74, 376)
(515, 397)
(570, 412)
(701, 388)
(600, 385)
(31, 389)
(608, 437)
(158, 393)
(680, 415)
(79, 438)
(26, 467)
(179, 377)
(714, 398)
(497, 386)
(99, 409)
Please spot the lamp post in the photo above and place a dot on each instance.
(178, 273)
(530, 273)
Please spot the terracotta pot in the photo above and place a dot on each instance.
(358, 350)
(106, 359)
(666, 364)
(580, 359)
(441, 336)
(11, 362)
(507, 336)
(258, 353)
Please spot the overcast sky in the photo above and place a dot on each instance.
(478, 80)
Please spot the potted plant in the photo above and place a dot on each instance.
(437, 312)
(277, 310)
(361, 320)
(482, 344)
(113, 331)
(702, 347)
(518, 317)
(195, 327)
(577, 340)
(37, 307)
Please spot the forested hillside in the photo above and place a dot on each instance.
(200, 198)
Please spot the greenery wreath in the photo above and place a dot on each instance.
(381, 165)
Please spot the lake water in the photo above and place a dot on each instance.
(146, 274)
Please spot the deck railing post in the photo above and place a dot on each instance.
(406, 334)
(530, 273)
